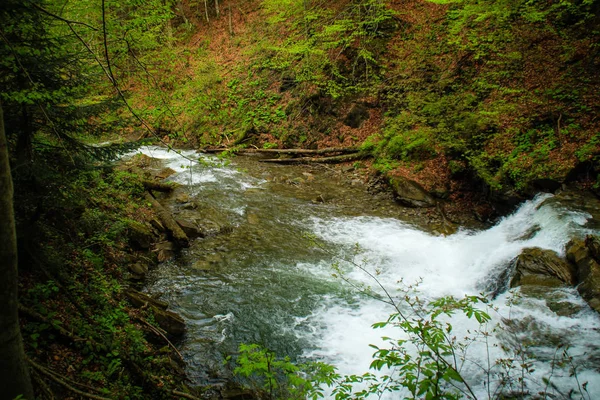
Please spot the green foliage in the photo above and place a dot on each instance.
(276, 378)
(356, 34)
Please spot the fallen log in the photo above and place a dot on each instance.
(168, 222)
(158, 186)
(318, 160)
(329, 150)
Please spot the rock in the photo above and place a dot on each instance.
(144, 161)
(535, 266)
(181, 197)
(357, 116)
(545, 185)
(171, 322)
(190, 229)
(506, 202)
(156, 224)
(165, 173)
(140, 235)
(410, 193)
(593, 244)
(138, 270)
(581, 254)
(139, 299)
(165, 250)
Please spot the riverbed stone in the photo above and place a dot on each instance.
(165, 173)
(410, 193)
(535, 266)
(165, 250)
(138, 270)
(190, 228)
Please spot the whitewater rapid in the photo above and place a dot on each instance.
(465, 263)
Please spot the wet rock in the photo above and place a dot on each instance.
(410, 193)
(171, 322)
(545, 185)
(165, 173)
(156, 224)
(140, 235)
(165, 250)
(581, 253)
(181, 197)
(190, 228)
(563, 308)
(506, 202)
(138, 270)
(535, 266)
(144, 161)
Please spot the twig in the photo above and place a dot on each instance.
(56, 379)
(43, 385)
(29, 312)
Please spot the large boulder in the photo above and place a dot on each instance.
(410, 193)
(535, 266)
(585, 256)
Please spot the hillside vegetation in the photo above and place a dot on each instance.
(496, 94)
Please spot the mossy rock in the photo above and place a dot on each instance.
(410, 193)
(140, 235)
(535, 266)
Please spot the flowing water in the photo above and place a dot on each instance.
(266, 275)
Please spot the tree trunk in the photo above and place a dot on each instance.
(14, 375)
(230, 19)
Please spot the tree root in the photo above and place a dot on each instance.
(53, 376)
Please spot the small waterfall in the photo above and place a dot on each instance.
(466, 263)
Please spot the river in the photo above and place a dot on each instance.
(267, 274)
